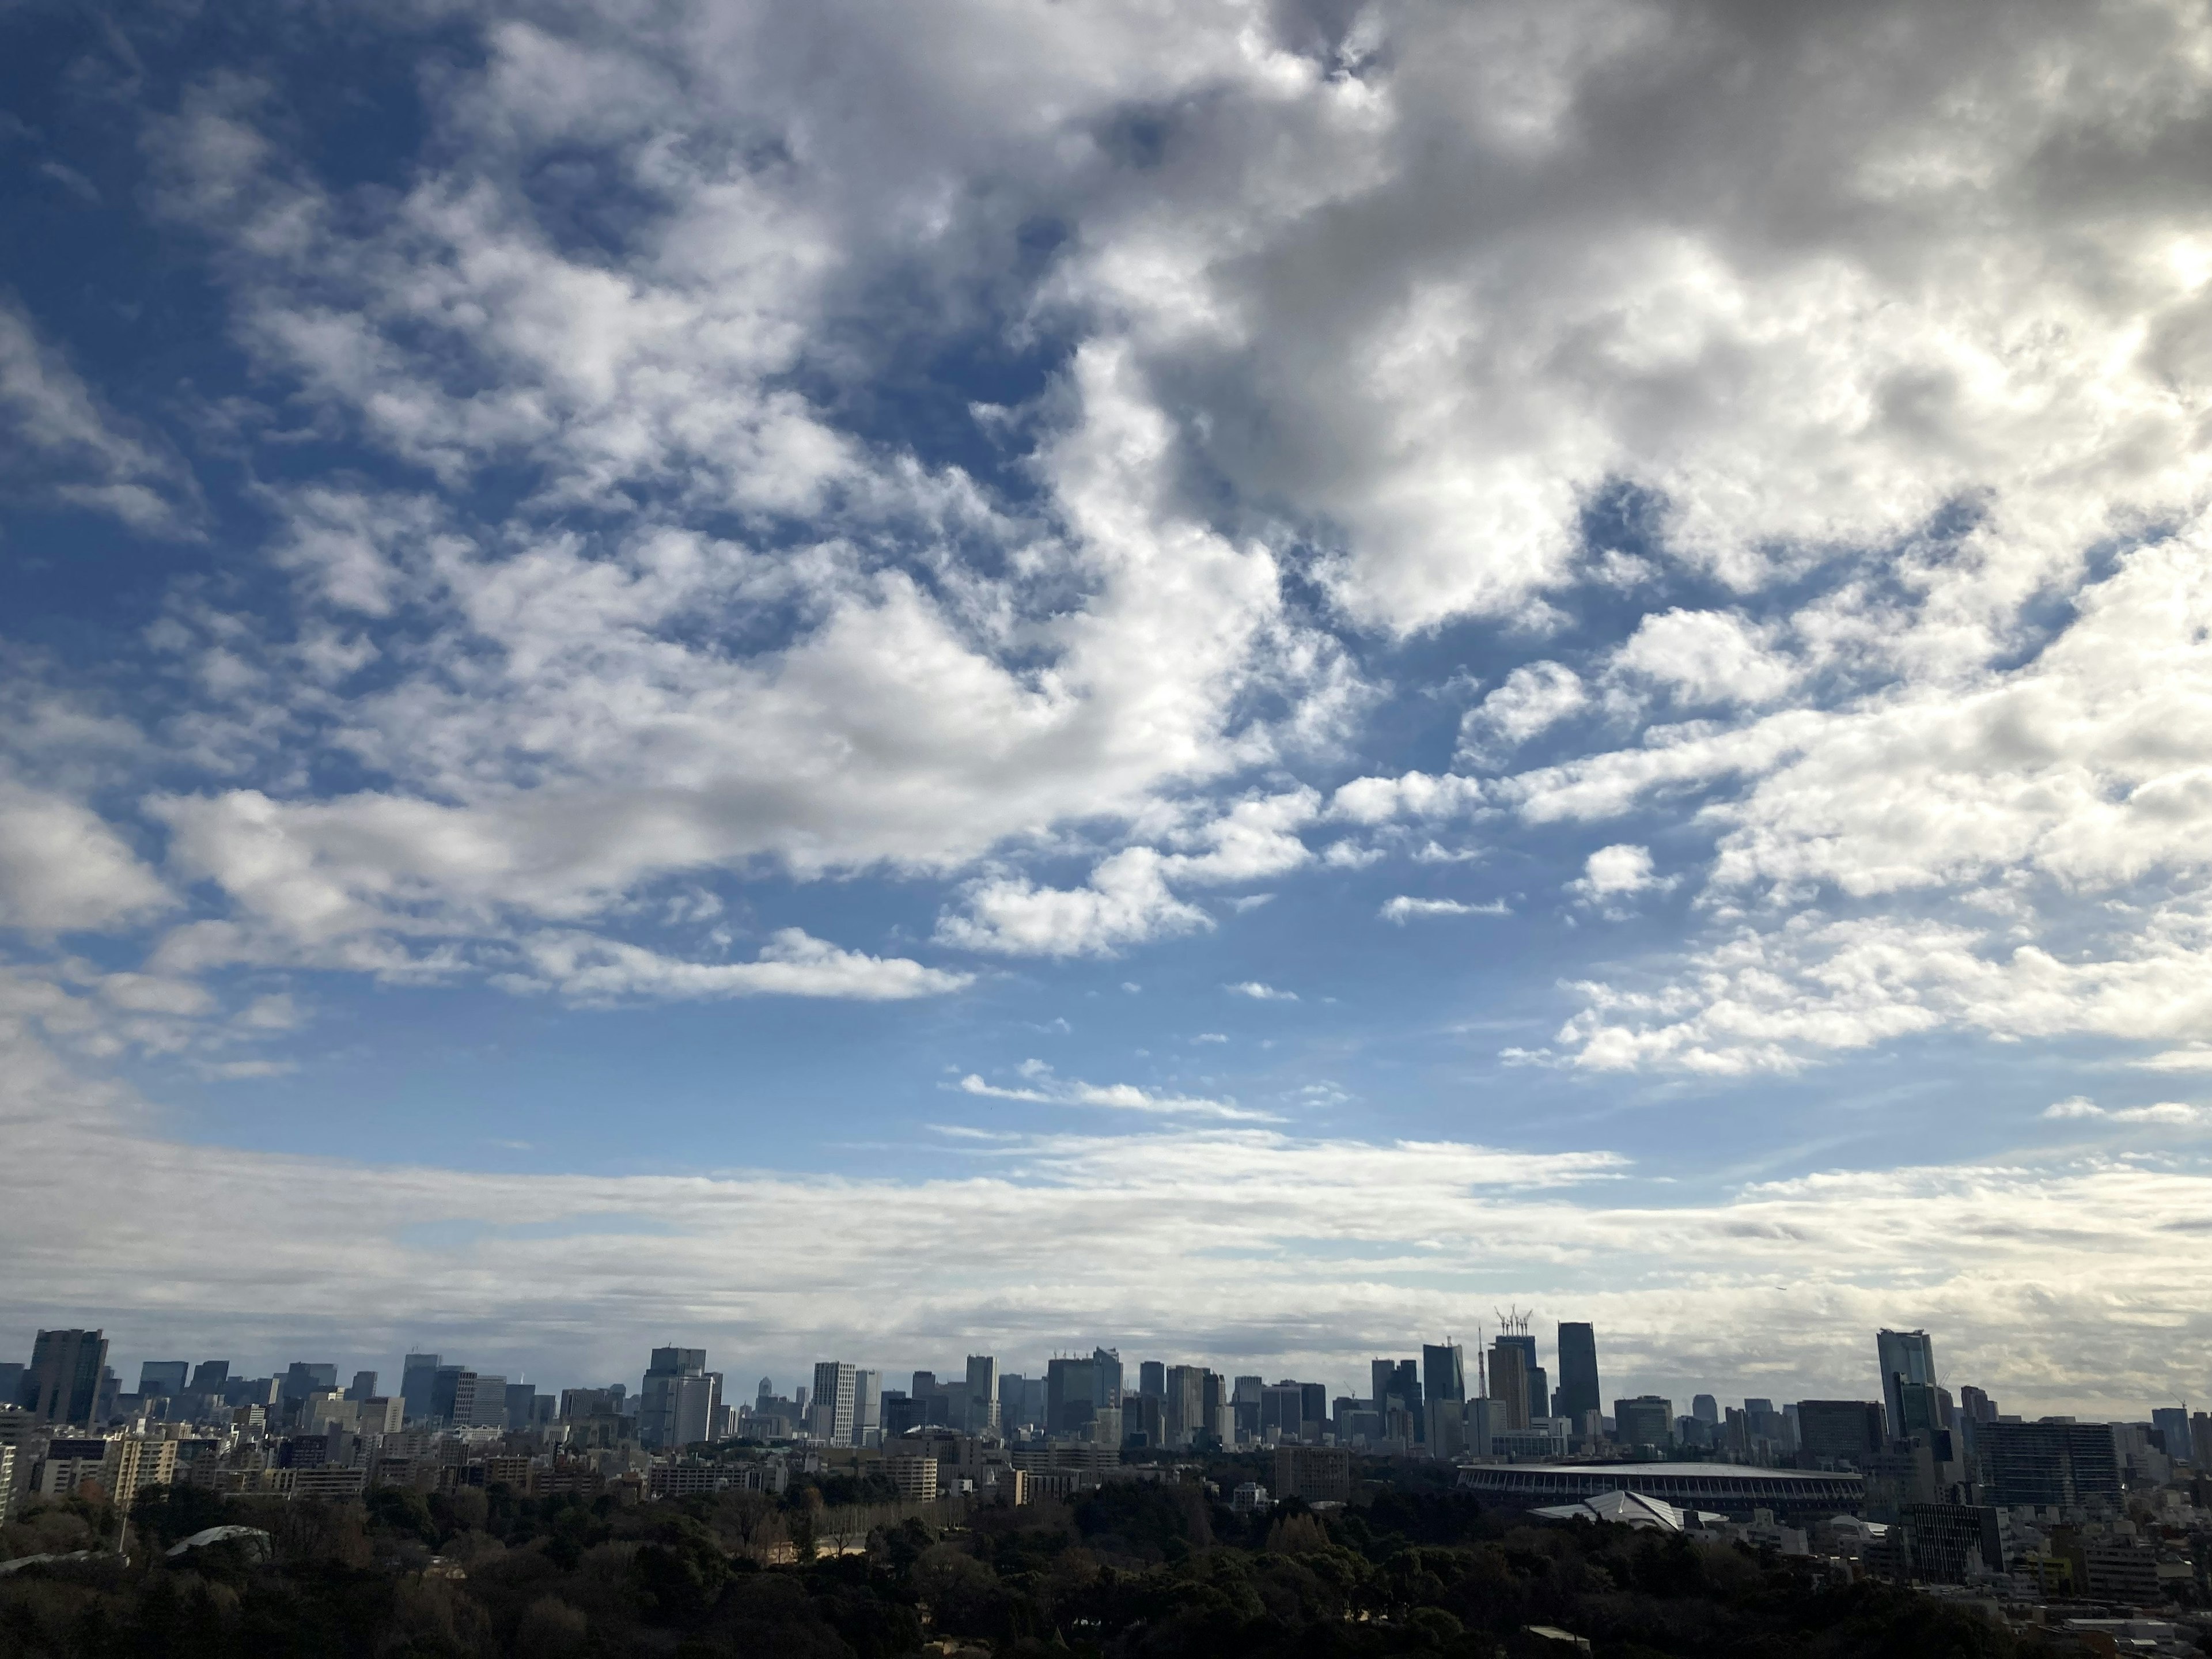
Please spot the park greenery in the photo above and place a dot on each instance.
(1134, 1570)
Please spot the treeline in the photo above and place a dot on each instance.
(1133, 1571)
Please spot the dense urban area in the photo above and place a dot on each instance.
(1148, 1508)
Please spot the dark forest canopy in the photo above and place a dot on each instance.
(1134, 1570)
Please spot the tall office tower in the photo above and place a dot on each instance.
(1070, 1394)
(418, 1383)
(12, 1373)
(1011, 1391)
(681, 1399)
(1108, 1364)
(522, 1400)
(1578, 1386)
(162, 1378)
(479, 1400)
(1282, 1410)
(1838, 1432)
(2049, 1464)
(981, 1412)
(1183, 1406)
(1534, 1384)
(1220, 1423)
(1145, 1421)
(305, 1376)
(1922, 1408)
(1397, 1383)
(1646, 1420)
(1509, 1384)
(1443, 1372)
(1152, 1380)
(829, 1416)
(63, 1385)
(363, 1386)
(1706, 1409)
(2170, 1424)
(1977, 1406)
(867, 1406)
(211, 1376)
(1244, 1406)
(1904, 1357)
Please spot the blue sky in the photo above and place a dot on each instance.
(1244, 680)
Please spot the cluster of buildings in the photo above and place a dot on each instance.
(1928, 1484)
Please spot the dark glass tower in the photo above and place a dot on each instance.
(1578, 1387)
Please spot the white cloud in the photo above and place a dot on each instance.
(1220, 1240)
(1260, 993)
(586, 969)
(2172, 1113)
(1402, 908)
(86, 455)
(1534, 697)
(1041, 1088)
(1126, 902)
(1704, 657)
(63, 869)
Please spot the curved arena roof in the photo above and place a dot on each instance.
(1734, 1488)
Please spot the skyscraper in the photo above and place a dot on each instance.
(1443, 1372)
(867, 1406)
(63, 1385)
(418, 1383)
(162, 1378)
(1152, 1379)
(1578, 1384)
(1646, 1420)
(982, 1400)
(1904, 1357)
(1508, 1382)
(679, 1400)
(829, 1412)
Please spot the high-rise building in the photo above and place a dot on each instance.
(680, 1399)
(63, 1384)
(1508, 1382)
(1838, 1432)
(1903, 1357)
(2048, 1463)
(1152, 1379)
(305, 1376)
(2170, 1424)
(830, 1413)
(478, 1400)
(1705, 1408)
(162, 1378)
(1071, 1393)
(418, 1384)
(867, 1406)
(211, 1376)
(1646, 1420)
(1443, 1372)
(1578, 1383)
(980, 1415)
(1397, 1384)
(363, 1386)
(1183, 1406)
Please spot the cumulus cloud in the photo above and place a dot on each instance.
(1534, 697)
(63, 869)
(793, 964)
(1259, 992)
(1703, 657)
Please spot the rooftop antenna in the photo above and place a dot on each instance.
(1513, 1322)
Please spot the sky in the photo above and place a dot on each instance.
(1246, 681)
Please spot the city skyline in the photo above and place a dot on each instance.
(1245, 678)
